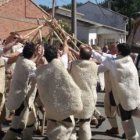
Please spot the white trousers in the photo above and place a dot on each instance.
(61, 130)
(110, 111)
(23, 119)
(102, 81)
(84, 132)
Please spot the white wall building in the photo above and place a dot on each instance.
(96, 25)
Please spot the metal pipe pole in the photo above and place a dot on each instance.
(53, 9)
(74, 18)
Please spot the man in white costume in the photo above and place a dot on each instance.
(21, 95)
(84, 73)
(10, 41)
(109, 102)
(125, 86)
(60, 96)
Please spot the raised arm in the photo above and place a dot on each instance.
(65, 46)
(10, 41)
(74, 52)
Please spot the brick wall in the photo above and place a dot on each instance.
(3, 1)
(18, 15)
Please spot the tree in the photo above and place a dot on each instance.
(69, 6)
(65, 25)
(125, 7)
(44, 7)
(129, 8)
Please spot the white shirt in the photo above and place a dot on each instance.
(1, 50)
(107, 60)
(18, 48)
(2, 57)
(32, 73)
(64, 59)
(5, 59)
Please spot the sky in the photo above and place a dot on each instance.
(62, 2)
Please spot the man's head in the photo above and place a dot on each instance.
(50, 53)
(113, 48)
(28, 50)
(105, 49)
(85, 53)
(123, 49)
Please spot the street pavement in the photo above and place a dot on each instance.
(98, 133)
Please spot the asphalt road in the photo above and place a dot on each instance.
(98, 134)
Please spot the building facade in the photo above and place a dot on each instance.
(96, 25)
(17, 15)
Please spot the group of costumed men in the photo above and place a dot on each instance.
(67, 90)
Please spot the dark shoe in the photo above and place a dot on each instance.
(101, 119)
(112, 131)
(123, 136)
(2, 133)
(37, 132)
(94, 122)
(6, 122)
(46, 138)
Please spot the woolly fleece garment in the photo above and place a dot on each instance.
(2, 83)
(125, 82)
(58, 92)
(20, 86)
(84, 74)
(2, 76)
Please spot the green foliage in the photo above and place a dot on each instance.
(125, 7)
(45, 40)
(65, 25)
(44, 7)
(69, 6)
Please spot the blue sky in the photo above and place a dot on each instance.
(62, 2)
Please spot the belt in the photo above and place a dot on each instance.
(16, 130)
(66, 120)
(84, 120)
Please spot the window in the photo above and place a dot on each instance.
(109, 41)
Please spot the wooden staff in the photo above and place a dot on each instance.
(58, 37)
(40, 33)
(59, 30)
(43, 123)
(24, 30)
(74, 38)
(66, 34)
(54, 27)
(39, 27)
(34, 37)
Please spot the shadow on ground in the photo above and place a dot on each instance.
(100, 104)
(103, 133)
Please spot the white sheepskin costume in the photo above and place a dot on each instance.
(20, 85)
(2, 83)
(84, 73)
(59, 94)
(2, 75)
(125, 82)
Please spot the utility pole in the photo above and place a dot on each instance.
(74, 18)
(109, 4)
(51, 41)
(53, 8)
